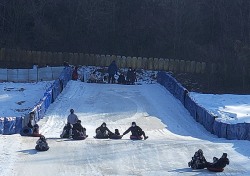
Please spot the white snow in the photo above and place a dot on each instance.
(227, 107)
(174, 136)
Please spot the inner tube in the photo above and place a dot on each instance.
(26, 131)
(136, 137)
(215, 169)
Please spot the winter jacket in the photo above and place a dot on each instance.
(78, 127)
(136, 131)
(72, 119)
(112, 69)
(102, 129)
(221, 163)
(42, 143)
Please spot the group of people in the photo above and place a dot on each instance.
(199, 162)
(112, 71)
(73, 129)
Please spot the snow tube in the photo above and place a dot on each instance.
(114, 136)
(80, 138)
(136, 137)
(26, 131)
(36, 135)
(215, 169)
(101, 137)
(41, 149)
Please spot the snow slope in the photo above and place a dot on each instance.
(173, 136)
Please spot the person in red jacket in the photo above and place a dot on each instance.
(75, 74)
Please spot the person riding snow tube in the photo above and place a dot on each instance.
(102, 132)
(66, 131)
(115, 135)
(136, 131)
(218, 165)
(42, 144)
(198, 160)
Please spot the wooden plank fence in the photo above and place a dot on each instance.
(42, 58)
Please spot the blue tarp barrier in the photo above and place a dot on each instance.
(247, 131)
(220, 129)
(9, 125)
(47, 98)
(18, 126)
(191, 106)
(12, 125)
(1, 124)
(180, 92)
(171, 84)
(237, 131)
(208, 121)
(56, 89)
(200, 114)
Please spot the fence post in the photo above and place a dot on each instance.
(166, 64)
(119, 60)
(193, 66)
(203, 67)
(156, 64)
(182, 66)
(198, 67)
(124, 62)
(134, 62)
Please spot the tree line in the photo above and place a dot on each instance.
(212, 31)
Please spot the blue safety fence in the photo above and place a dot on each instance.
(13, 125)
(172, 85)
(240, 131)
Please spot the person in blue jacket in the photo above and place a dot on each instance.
(112, 70)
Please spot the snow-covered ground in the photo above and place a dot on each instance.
(174, 136)
(17, 99)
(227, 107)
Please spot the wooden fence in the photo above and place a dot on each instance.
(42, 58)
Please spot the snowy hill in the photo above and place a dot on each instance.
(173, 136)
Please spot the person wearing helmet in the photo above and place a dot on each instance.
(72, 119)
(102, 132)
(79, 132)
(136, 131)
(41, 144)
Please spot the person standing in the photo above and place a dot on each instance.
(72, 119)
(112, 70)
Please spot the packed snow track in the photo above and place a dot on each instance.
(173, 136)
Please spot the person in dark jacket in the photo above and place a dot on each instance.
(78, 131)
(131, 76)
(102, 132)
(121, 79)
(66, 131)
(112, 70)
(198, 160)
(219, 163)
(136, 132)
(117, 132)
(41, 144)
